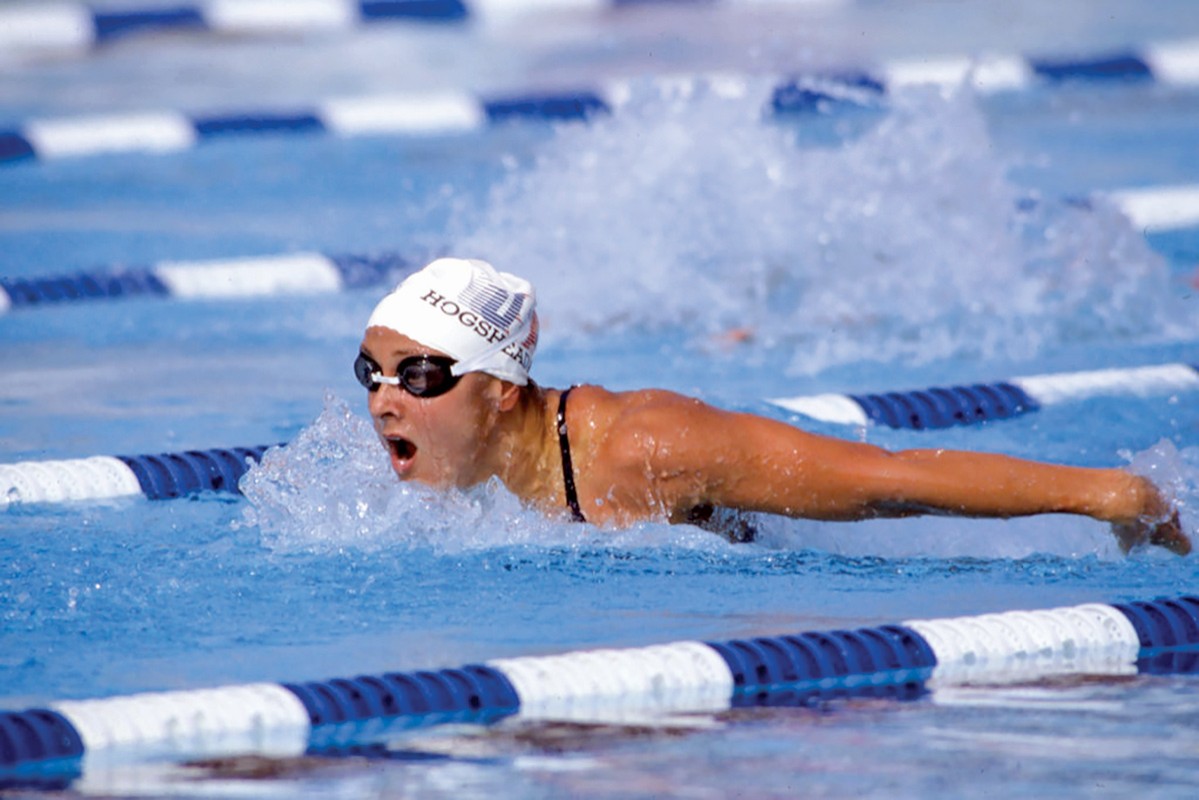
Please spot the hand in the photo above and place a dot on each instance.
(1157, 523)
(1167, 534)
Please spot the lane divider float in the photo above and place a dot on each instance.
(424, 114)
(76, 27)
(169, 475)
(449, 112)
(64, 25)
(1152, 210)
(1173, 63)
(251, 276)
(904, 661)
(947, 406)
(159, 476)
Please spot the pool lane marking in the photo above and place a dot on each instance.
(161, 476)
(947, 406)
(415, 114)
(301, 273)
(250, 276)
(904, 661)
(75, 27)
(155, 476)
(1153, 210)
(145, 132)
(1172, 63)
(1161, 208)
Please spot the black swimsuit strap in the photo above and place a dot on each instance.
(568, 472)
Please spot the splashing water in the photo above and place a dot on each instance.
(1176, 473)
(332, 489)
(687, 209)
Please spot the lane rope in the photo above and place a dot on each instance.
(1152, 210)
(903, 661)
(250, 276)
(164, 476)
(451, 112)
(157, 476)
(948, 406)
(76, 27)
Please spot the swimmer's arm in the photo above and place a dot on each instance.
(755, 463)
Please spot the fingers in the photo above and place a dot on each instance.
(1171, 536)
(1168, 534)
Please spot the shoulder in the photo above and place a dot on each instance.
(634, 411)
(637, 427)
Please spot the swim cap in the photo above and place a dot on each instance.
(484, 319)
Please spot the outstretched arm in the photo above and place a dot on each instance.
(707, 455)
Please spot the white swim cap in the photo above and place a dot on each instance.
(484, 319)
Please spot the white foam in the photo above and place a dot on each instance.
(868, 250)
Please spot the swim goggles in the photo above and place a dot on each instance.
(419, 376)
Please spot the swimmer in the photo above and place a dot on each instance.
(446, 358)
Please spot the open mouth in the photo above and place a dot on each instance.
(402, 452)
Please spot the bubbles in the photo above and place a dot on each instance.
(688, 208)
(321, 488)
(332, 489)
(1176, 473)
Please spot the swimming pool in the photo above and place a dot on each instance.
(927, 238)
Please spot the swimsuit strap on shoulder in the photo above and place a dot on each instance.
(568, 473)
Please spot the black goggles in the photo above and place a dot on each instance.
(419, 376)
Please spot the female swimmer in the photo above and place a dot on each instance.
(446, 361)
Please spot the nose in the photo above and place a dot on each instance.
(387, 400)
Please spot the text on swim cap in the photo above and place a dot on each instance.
(485, 321)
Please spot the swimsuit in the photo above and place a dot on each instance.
(733, 525)
(568, 473)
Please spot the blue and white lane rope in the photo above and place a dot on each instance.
(253, 276)
(1152, 209)
(63, 25)
(159, 476)
(169, 475)
(456, 112)
(74, 26)
(1168, 63)
(903, 661)
(947, 406)
(430, 113)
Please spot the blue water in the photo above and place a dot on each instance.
(868, 250)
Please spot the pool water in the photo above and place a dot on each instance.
(932, 237)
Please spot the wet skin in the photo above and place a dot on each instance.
(657, 455)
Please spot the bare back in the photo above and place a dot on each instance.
(655, 454)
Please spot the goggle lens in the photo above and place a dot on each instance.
(419, 376)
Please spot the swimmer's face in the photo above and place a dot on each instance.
(439, 441)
